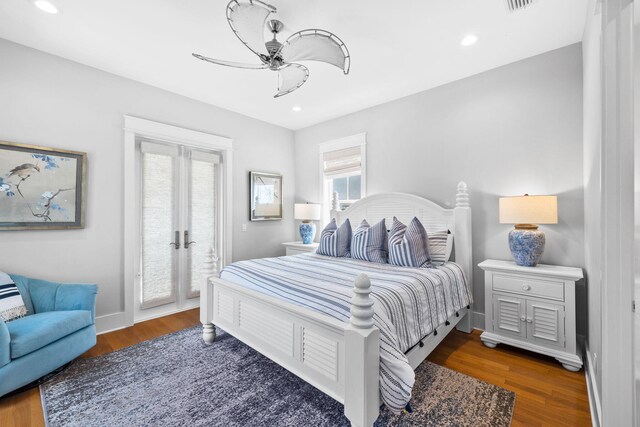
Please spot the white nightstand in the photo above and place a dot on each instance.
(295, 248)
(532, 308)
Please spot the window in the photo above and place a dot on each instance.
(342, 164)
(348, 188)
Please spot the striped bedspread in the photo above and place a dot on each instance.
(409, 302)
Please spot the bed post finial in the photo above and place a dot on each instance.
(462, 196)
(209, 270)
(210, 265)
(335, 201)
(361, 303)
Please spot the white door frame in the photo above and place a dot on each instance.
(617, 213)
(136, 128)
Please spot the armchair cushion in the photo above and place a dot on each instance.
(77, 297)
(42, 296)
(31, 333)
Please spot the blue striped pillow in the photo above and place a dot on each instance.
(370, 243)
(408, 245)
(335, 241)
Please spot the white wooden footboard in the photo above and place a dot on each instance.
(340, 359)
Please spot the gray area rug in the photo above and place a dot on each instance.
(177, 380)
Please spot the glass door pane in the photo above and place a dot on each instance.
(202, 214)
(159, 225)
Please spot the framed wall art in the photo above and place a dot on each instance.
(266, 196)
(41, 188)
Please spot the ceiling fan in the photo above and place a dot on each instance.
(248, 20)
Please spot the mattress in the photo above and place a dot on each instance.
(409, 303)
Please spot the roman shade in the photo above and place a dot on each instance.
(342, 162)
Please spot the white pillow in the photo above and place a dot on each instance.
(440, 243)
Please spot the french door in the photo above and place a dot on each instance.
(179, 213)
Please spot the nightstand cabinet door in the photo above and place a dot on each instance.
(545, 323)
(509, 315)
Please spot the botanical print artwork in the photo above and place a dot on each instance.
(38, 186)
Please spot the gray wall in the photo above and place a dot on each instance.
(53, 102)
(593, 255)
(512, 130)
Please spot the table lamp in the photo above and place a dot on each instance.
(307, 212)
(526, 212)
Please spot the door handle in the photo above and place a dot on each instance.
(176, 242)
(187, 243)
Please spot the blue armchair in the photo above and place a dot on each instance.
(59, 326)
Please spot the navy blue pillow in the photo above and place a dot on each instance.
(408, 245)
(370, 243)
(335, 241)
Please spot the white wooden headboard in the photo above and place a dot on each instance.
(433, 216)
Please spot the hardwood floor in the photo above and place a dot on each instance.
(547, 394)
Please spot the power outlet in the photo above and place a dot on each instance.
(244, 227)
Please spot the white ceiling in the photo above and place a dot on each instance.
(397, 48)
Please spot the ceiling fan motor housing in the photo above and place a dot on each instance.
(273, 46)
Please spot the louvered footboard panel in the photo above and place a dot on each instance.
(308, 348)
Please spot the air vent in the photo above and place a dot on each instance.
(516, 5)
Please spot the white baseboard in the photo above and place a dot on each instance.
(477, 320)
(167, 313)
(111, 322)
(592, 390)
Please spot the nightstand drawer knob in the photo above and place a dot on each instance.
(526, 287)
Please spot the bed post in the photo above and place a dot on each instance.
(462, 244)
(335, 207)
(362, 358)
(209, 270)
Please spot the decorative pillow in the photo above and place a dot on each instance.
(439, 244)
(408, 245)
(11, 304)
(335, 241)
(370, 243)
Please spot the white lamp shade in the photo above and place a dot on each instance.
(529, 210)
(307, 211)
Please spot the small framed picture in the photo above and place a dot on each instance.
(41, 188)
(266, 196)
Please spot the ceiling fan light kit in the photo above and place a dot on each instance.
(248, 20)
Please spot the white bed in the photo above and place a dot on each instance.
(341, 358)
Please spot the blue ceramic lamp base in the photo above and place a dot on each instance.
(527, 244)
(307, 232)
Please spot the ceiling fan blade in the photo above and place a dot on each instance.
(316, 45)
(290, 78)
(248, 20)
(231, 63)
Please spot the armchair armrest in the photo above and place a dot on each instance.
(5, 341)
(77, 297)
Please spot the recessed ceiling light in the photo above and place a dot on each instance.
(469, 40)
(46, 6)
(297, 108)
